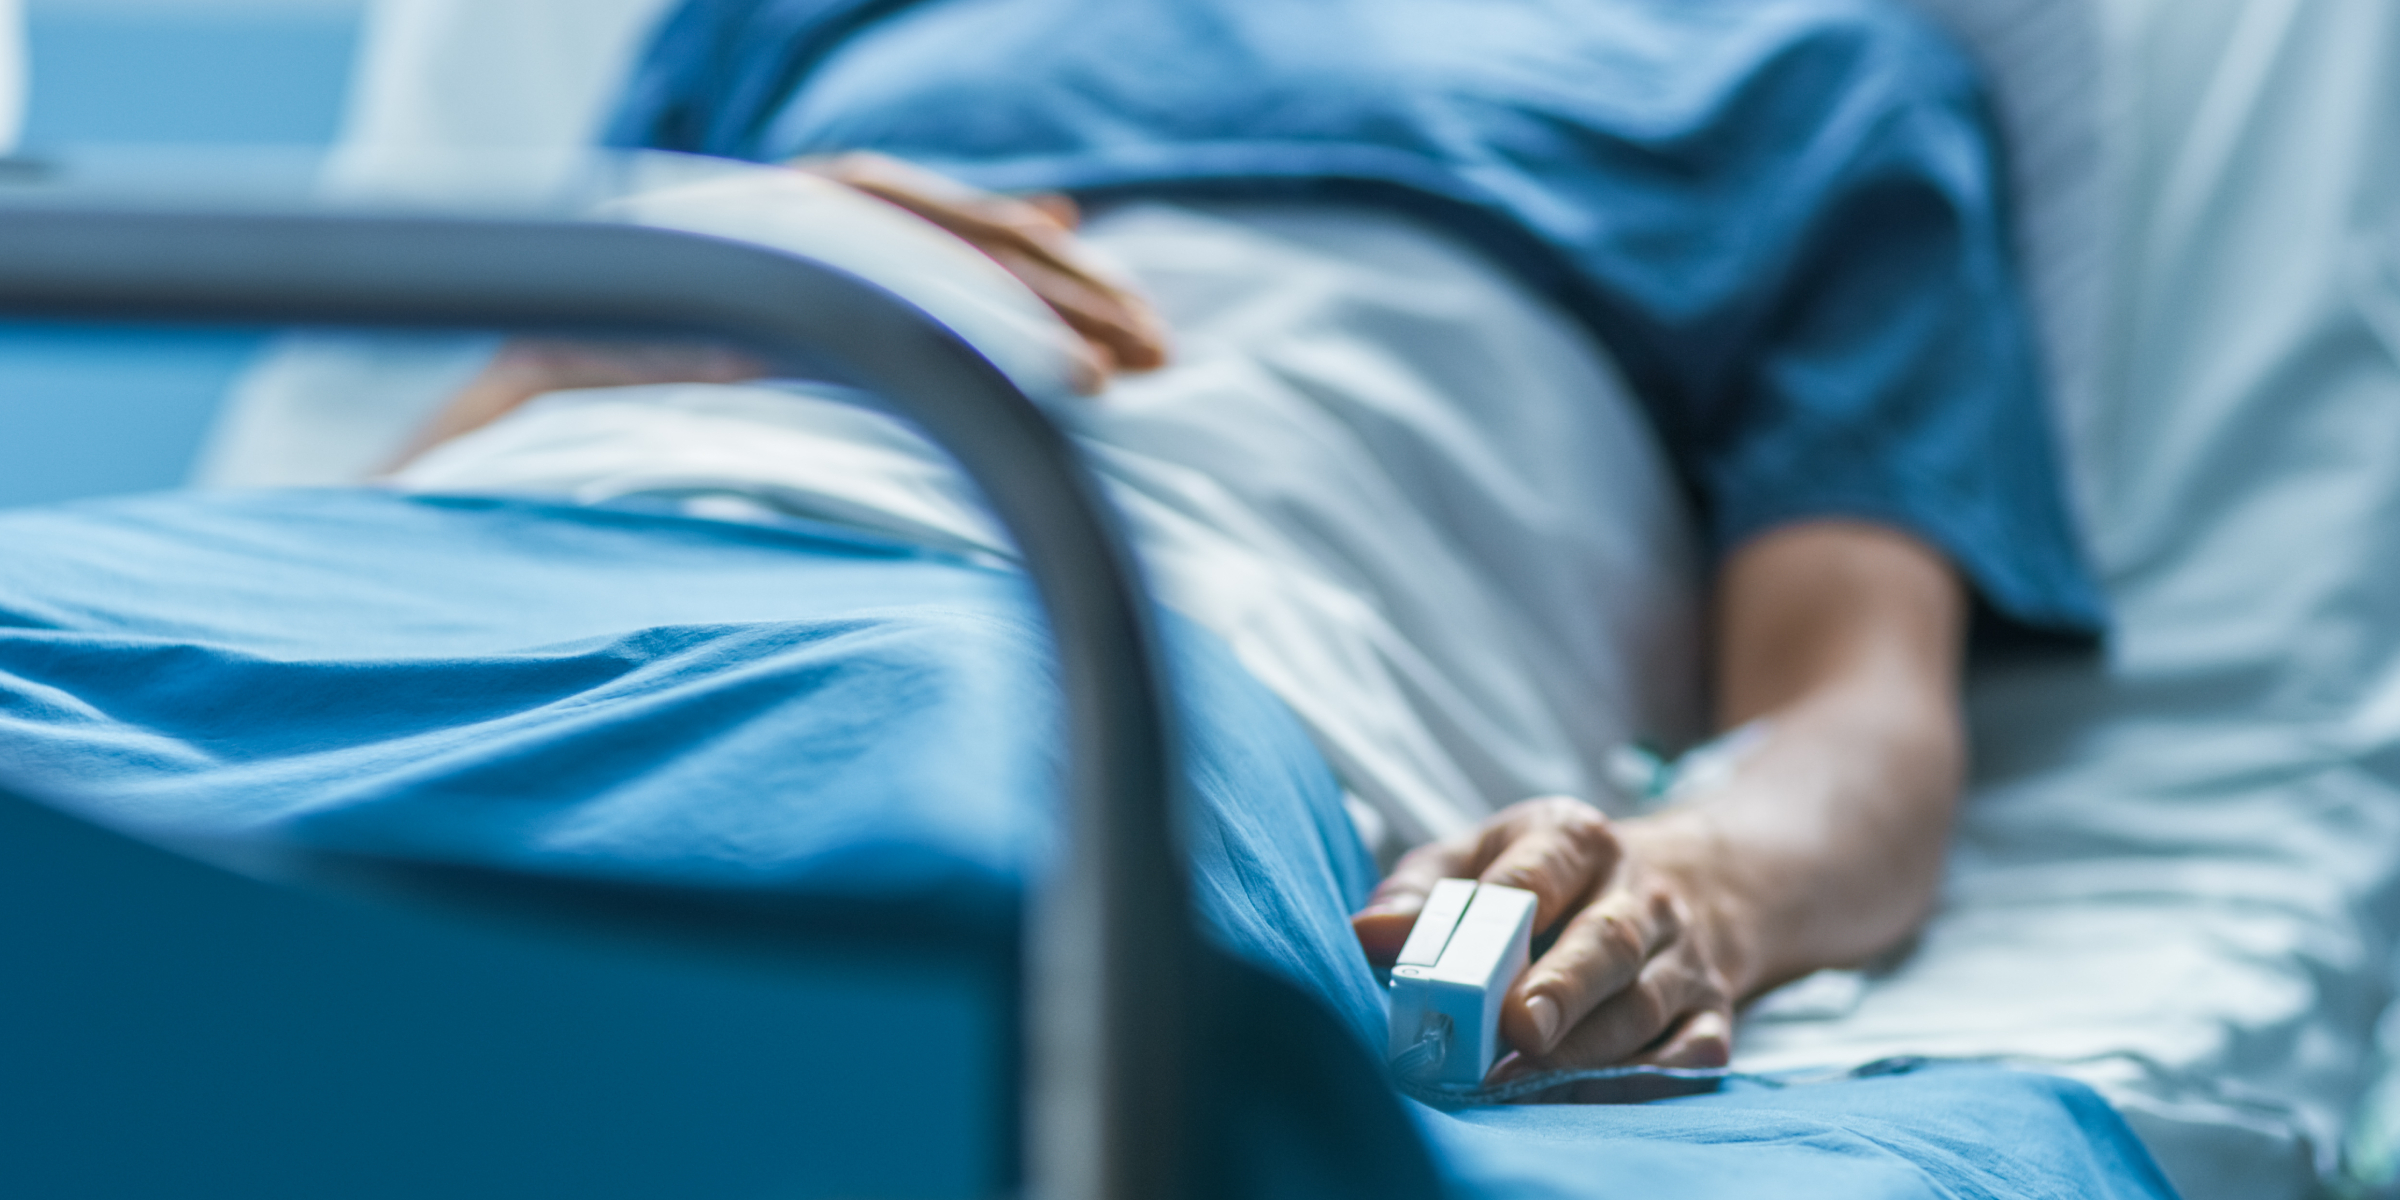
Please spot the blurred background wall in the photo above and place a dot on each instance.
(95, 411)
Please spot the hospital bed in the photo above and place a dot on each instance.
(1120, 986)
(1191, 1032)
(2196, 842)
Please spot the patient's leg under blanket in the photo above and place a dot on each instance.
(646, 697)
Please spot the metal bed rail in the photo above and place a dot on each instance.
(1113, 956)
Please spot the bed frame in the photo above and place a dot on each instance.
(1113, 950)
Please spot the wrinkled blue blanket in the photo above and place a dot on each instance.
(638, 695)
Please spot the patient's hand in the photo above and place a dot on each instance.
(1649, 952)
(1823, 849)
(1034, 237)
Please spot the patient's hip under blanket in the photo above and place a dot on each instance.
(643, 695)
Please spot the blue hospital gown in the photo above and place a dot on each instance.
(1784, 217)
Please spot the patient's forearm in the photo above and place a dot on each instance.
(1824, 848)
(526, 368)
(1829, 840)
(503, 385)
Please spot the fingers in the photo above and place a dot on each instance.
(1629, 978)
(1602, 951)
(1704, 1041)
(1669, 995)
(903, 183)
(1558, 848)
(1115, 320)
(1061, 209)
(1382, 926)
(1034, 240)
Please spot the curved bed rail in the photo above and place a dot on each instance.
(1112, 943)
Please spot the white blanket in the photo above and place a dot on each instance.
(1413, 496)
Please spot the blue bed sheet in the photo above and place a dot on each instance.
(640, 695)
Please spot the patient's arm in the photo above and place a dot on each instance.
(529, 367)
(1824, 849)
(1032, 236)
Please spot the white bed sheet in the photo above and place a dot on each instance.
(1412, 496)
(2190, 854)
(2180, 864)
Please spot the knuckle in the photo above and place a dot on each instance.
(1582, 821)
(1590, 832)
(1617, 938)
(1527, 864)
(1569, 814)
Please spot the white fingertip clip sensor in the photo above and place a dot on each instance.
(1470, 943)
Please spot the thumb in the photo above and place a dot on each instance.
(1383, 925)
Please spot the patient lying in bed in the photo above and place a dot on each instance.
(1419, 500)
(1426, 457)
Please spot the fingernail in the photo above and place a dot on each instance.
(1544, 1012)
